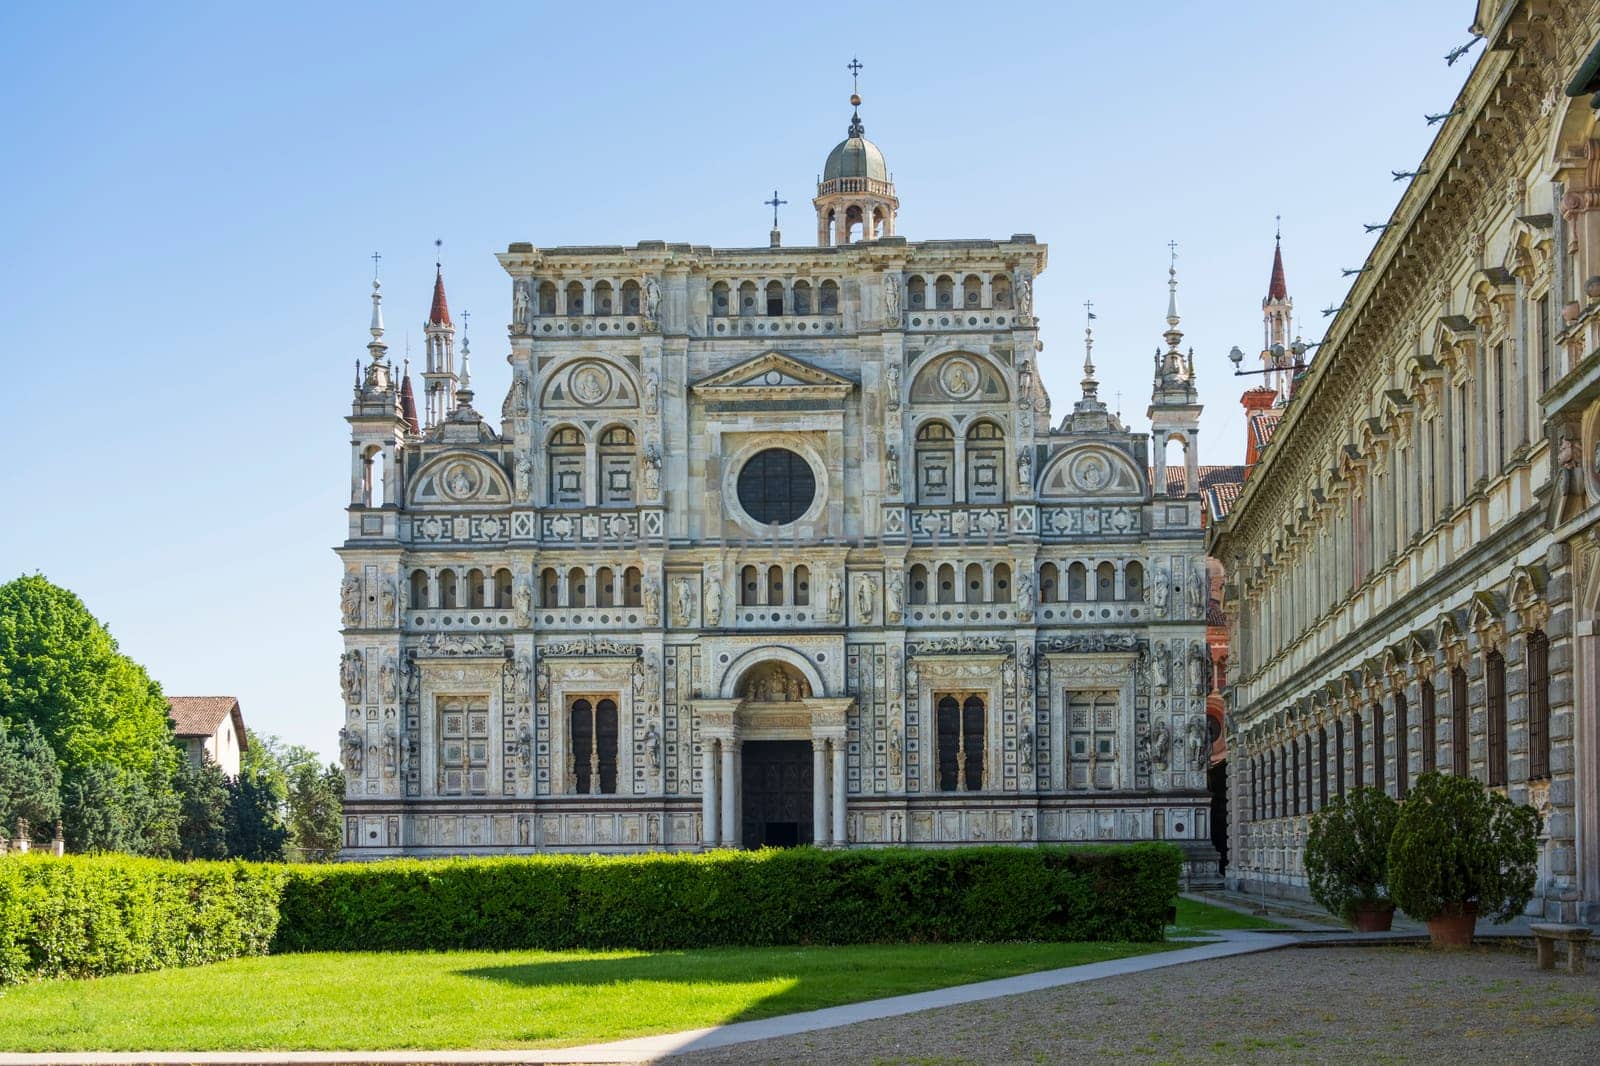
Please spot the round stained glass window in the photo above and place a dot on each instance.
(776, 486)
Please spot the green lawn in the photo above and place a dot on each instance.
(1195, 918)
(482, 999)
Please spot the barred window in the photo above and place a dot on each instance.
(1495, 690)
(1460, 754)
(1538, 704)
(1429, 725)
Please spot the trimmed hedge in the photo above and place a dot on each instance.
(794, 896)
(91, 916)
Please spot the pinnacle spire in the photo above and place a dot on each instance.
(376, 346)
(1173, 334)
(1277, 288)
(439, 313)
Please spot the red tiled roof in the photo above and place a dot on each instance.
(440, 314)
(1263, 424)
(1209, 476)
(199, 716)
(1276, 288)
(1221, 497)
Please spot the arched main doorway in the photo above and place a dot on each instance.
(777, 806)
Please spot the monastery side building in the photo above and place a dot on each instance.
(1412, 562)
(768, 546)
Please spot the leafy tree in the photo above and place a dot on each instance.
(30, 780)
(203, 795)
(255, 818)
(60, 669)
(316, 810)
(104, 808)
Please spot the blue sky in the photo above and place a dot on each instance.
(194, 191)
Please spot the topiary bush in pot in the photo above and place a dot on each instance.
(1347, 857)
(1460, 851)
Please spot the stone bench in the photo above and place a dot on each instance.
(1577, 938)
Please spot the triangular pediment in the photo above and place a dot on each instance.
(774, 372)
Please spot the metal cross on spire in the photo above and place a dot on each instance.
(438, 253)
(774, 203)
(375, 258)
(1173, 245)
(1277, 232)
(854, 67)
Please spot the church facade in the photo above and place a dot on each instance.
(769, 546)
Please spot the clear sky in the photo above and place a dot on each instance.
(193, 193)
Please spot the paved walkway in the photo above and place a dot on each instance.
(650, 1048)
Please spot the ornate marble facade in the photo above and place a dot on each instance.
(1411, 562)
(772, 545)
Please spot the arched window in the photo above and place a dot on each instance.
(916, 292)
(1077, 583)
(1002, 583)
(419, 590)
(1428, 725)
(1322, 767)
(1338, 756)
(630, 297)
(1133, 582)
(749, 586)
(577, 587)
(592, 751)
(1358, 748)
(448, 590)
(972, 292)
(802, 586)
(1049, 583)
(574, 298)
(632, 587)
(1294, 778)
(1402, 746)
(604, 300)
(566, 459)
(972, 590)
(604, 588)
(802, 297)
(1460, 754)
(502, 588)
(986, 463)
(936, 460)
(1494, 670)
(617, 453)
(549, 587)
(774, 298)
(919, 584)
(1538, 705)
(547, 297)
(960, 740)
(475, 588)
(829, 304)
(853, 224)
(1105, 581)
(372, 473)
(719, 299)
(1272, 784)
(774, 584)
(1000, 286)
(1378, 760)
(947, 583)
(747, 298)
(944, 290)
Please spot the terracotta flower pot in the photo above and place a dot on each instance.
(1453, 928)
(1374, 917)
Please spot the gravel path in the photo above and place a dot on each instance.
(1308, 1005)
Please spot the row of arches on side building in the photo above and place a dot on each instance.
(589, 297)
(454, 589)
(591, 586)
(744, 299)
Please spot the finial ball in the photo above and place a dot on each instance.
(855, 99)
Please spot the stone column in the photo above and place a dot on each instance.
(708, 792)
(839, 836)
(819, 791)
(730, 814)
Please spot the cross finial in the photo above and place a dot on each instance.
(375, 258)
(1088, 307)
(854, 67)
(774, 203)
(438, 253)
(1173, 246)
(1277, 233)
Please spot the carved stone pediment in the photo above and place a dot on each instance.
(460, 479)
(773, 375)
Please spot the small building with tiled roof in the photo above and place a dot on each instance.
(210, 727)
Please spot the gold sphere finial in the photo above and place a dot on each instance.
(855, 99)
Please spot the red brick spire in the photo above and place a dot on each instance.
(1276, 288)
(440, 314)
(408, 402)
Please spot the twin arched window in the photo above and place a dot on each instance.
(616, 457)
(983, 474)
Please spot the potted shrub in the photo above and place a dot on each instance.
(1460, 851)
(1347, 858)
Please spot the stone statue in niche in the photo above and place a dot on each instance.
(652, 299)
(891, 299)
(1199, 745)
(896, 755)
(866, 595)
(413, 679)
(541, 680)
(651, 596)
(1025, 668)
(652, 681)
(1197, 669)
(835, 596)
(525, 747)
(391, 752)
(1025, 596)
(891, 387)
(683, 601)
(1197, 588)
(1024, 293)
(1024, 382)
(713, 600)
(408, 754)
(524, 832)
(519, 398)
(1163, 666)
(1008, 673)
(524, 477)
(637, 677)
(350, 599)
(1155, 745)
(891, 456)
(896, 597)
(652, 746)
(1160, 589)
(524, 678)
(389, 680)
(522, 597)
(1025, 746)
(911, 679)
(652, 391)
(353, 675)
(388, 602)
(652, 470)
(1025, 470)
(350, 750)
(520, 305)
